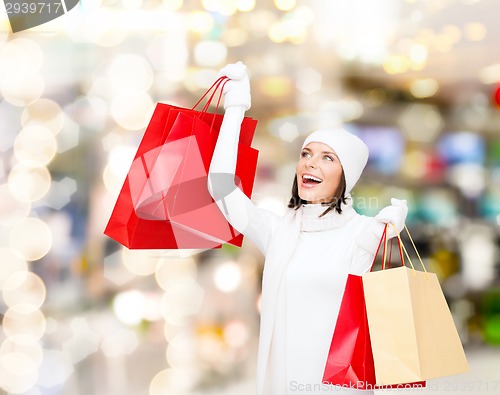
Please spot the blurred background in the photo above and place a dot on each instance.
(418, 80)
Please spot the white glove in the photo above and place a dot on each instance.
(394, 214)
(237, 89)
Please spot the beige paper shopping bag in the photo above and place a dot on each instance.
(412, 332)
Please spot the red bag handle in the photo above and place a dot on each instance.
(400, 253)
(384, 233)
(216, 85)
(384, 239)
(220, 81)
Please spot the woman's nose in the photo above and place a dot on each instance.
(311, 162)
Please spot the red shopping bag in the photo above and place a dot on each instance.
(164, 202)
(350, 358)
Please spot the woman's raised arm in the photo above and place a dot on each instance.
(255, 223)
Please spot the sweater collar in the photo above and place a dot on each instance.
(312, 222)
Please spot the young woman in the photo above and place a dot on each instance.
(308, 252)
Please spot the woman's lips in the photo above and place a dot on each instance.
(310, 184)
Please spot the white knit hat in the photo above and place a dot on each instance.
(351, 151)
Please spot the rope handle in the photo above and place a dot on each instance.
(220, 81)
(216, 85)
(384, 234)
(384, 240)
(414, 247)
(384, 259)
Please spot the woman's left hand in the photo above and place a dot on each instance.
(394, 214)
(237, 88)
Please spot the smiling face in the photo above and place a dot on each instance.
(318, 173)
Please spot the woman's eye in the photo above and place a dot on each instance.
(328, 158)
(304, 154)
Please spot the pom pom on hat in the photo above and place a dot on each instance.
(350, 149)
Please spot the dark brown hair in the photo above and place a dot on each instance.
(336, 203)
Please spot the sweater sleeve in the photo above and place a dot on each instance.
(255, 223)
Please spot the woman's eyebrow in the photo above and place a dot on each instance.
(330, 153)
(323, 152)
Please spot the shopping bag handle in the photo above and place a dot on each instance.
(215, 86)
(414, 247)
(221, 80)
(383, 238)
(384, 257)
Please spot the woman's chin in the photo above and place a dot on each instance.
(311, 199)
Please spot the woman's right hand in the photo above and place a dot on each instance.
(237, 89)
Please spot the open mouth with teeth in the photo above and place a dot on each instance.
(310, 180)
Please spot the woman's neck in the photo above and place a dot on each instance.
(312, 221)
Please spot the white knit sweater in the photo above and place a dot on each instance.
(306, 267)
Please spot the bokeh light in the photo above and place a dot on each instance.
(490, 74)
(139, 262)
(227, 276)
(130, 72)
(31, 239)
(119, 343)
(224, 7)
(35, 146)
(83, 342)
(170, 381)
(29, 184)
(182, 351)
(181, 300)
(20, 57)
(12, 209)
(421, 122)
(170, 271)
(288, 131)
(107, 27)
(18, 364)
(236, 333)
(56, 368)
(120, 159)
(210, 53)
(132, 4)
(415, 164)
(23, 90)
(16, 383)
(235, 37)
(24, 345)
(275, 86)
(396, 64)
(27, 324)
(424, 87)
(308, 81)
(418, 56)
(285, 5)
(129, 307)
(46, 112)
(453, 32)
(200, 22)
(24, 292)
(245, 5)
(475, 31)
(172, 5)
(11, 263)
(132, 110)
